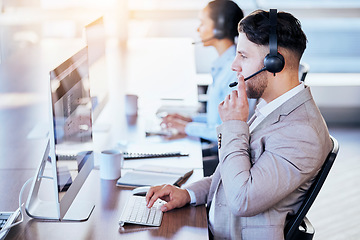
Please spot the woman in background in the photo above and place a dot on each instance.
(218, 28)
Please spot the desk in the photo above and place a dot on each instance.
(21, 156)
(185, 223)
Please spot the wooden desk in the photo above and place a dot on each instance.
(21, 156)
(185, 223)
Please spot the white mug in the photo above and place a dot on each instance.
(110, 164)
(131, 105)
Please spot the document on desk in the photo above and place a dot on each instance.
(151, 175)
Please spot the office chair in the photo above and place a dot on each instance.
(210, 157)
(299, 227)
(303, 71)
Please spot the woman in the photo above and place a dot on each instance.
(218, 28)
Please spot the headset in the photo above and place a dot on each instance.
(274, 62)
(219, 30)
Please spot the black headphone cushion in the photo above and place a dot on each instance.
(274, 64)
(219, 33)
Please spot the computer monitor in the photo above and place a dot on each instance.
(95, 35)
(204, 58)
(69, 149)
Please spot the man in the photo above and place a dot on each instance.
(267, 164)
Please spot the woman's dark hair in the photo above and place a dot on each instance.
(227, 14)
(290, 36)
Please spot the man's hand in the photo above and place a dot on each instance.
(235, 106)
(174, 196)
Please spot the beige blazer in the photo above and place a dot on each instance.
(262, 177)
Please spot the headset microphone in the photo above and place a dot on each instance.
(202, 41)
(233, 84)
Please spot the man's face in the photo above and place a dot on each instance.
(250, 59)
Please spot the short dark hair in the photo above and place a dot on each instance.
(290, 36)
(231, 13)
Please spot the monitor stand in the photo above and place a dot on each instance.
(50, 210)
(47, 210)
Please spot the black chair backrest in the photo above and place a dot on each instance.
(311, 194)
(303, 71)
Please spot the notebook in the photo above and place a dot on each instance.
(151, 175)
(132, 156)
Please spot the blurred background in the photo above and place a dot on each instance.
(332, 28)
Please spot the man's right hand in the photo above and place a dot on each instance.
(235, 106)
(174, 196)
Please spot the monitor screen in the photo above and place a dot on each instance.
(71, 103)
(95, 35)
(70, 145)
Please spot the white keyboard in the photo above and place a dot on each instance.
(136, 212)
(4, 216)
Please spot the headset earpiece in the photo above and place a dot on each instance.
(219, 31)
(274, 62)
(218, 34)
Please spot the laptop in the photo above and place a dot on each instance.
(7, 220)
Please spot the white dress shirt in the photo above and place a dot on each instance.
(263, 109)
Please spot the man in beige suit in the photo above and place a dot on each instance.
(268, 163)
